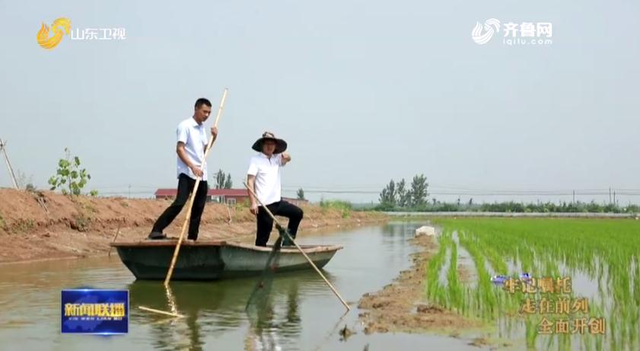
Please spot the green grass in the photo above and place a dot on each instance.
(343, 206)
(606, 251)
(23, 225)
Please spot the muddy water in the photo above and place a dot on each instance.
(304, 314)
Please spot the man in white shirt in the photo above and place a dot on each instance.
(263, 177)
(192, 143)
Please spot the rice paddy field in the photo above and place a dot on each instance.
(583, 290)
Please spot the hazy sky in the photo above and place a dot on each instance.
(363, 91)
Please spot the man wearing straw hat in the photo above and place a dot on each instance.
(263, 177)
(191, 146)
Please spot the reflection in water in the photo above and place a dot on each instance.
(302, 316)
(269, 331)
(171, 300)
(214, 308)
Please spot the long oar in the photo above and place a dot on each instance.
(300, 249)
(193, 194)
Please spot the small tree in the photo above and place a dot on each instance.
(223, 180)
(69, 175)
(300, 194)
(404, 195)
(23, 180)
(419, 191)
(219, 181)
(228, 184)
(388, 195)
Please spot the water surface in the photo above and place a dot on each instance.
(303, 313)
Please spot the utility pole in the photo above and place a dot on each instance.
(609, 195)
(614, 197)
(129, 191)
(3, 147)
(574, 196)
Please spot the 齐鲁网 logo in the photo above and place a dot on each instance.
(490, 27)
(525, 33)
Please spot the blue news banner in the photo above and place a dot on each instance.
(94, 311)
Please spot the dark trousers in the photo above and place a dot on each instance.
(185, 186)
(280, 208)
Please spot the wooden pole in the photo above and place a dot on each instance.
(301, 251)
(160, 312)
(3, 147)
(193, 194)
(172, 301)
(172, 306)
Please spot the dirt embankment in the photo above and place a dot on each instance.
(402, 306)
(45, 225)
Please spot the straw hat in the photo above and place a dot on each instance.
(281, 145)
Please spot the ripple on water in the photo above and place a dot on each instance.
(304, 310)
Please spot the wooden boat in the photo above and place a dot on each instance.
(211, 260)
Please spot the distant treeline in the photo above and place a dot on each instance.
(511, 206)
(414, 197)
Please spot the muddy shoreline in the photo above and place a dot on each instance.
(402, 305)
(37, 226)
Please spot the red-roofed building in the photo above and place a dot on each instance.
(229, 196)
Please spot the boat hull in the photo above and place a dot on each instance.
(150, 260)
(245, 260)
(152, 263)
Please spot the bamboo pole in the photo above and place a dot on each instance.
(301, 251)
(193, 195)
(172, 305)
(160, 312)
(171, 300)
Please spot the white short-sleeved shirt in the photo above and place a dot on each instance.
(194, 137)
(268, 185)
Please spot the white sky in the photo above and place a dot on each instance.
(363, 91)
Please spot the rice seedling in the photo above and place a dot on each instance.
(453, 283)
(604, 252)
(435, 290)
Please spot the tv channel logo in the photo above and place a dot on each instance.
(94, 311)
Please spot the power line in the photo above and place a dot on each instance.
(150, 191)
(356, 191)
(481, 192)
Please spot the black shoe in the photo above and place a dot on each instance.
(287, 242)
(156, 236)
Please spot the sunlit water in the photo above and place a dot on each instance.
(304, 314)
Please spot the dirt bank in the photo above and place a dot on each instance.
(47, 225)
(402, 307)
